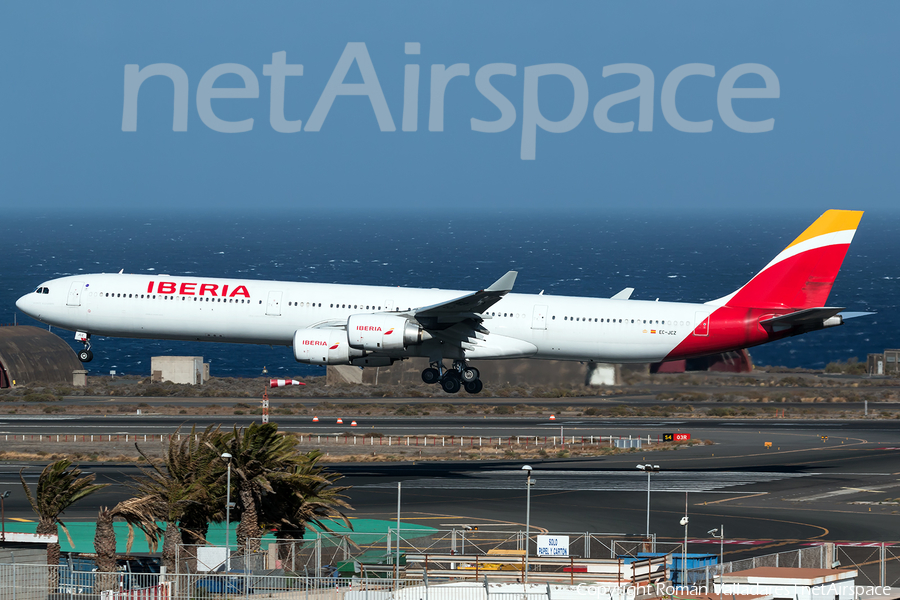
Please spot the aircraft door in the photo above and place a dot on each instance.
(702, 327)
(389, 305)
(273, 305)
(75, 293)
(539, 318)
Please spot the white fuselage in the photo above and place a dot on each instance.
(269, 312)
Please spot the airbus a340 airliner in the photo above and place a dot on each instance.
(330, 324)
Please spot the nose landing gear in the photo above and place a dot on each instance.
(84, 355)
(453, 379)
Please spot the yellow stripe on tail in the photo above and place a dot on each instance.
(829, 222)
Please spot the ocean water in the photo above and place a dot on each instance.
(670, 256)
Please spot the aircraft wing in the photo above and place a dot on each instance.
(456, 321)
(470, 306)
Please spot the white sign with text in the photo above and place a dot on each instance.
(553, 545)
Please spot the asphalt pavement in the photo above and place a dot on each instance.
(801, 489)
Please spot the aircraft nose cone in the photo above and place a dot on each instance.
(22, 304)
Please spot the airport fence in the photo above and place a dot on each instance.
(372, 440)
(33, 582)
(877, 563)
(326, 551)
(817, 557)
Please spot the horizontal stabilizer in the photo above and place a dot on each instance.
(624, 294)
(853, 315)
(815, 317)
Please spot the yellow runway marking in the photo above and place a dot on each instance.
(735, 498)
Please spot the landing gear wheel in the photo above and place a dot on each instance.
(85, 356)
(469, 374)
(474, 387)
(431, 375)
(450, 384)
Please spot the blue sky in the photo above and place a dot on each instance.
(833, 143)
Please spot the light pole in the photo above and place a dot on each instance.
(528, 484)
(227, 458)
(684, 522)
(721, 538)
(3, 497)
(648, 469)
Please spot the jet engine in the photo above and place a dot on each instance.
(381, 333)
(323, 347)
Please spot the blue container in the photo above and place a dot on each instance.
(693, 561)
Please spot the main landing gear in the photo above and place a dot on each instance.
(85, 355)
(452, 380)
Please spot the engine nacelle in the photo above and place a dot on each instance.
(323, 347)
(380, 333)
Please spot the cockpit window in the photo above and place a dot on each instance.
(42, 290)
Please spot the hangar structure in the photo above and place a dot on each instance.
(34, 355)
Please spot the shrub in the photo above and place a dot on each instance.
(852, 367)
(40, 397)
(154, 391)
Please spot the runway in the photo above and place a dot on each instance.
(804, 488)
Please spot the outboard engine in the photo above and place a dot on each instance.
(323, 347)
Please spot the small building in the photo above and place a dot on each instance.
(885, 363)
(35, 355)
(179, 369)
(791, 583)
(28, 551)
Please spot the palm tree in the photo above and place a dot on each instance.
(105, 539)
(105, 547)
(260, 456)
(59, 486)
(306, 495)
(181, 491)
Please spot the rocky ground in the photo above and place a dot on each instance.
(758, 394)
(765, 393)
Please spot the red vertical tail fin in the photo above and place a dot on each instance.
(801, 276)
